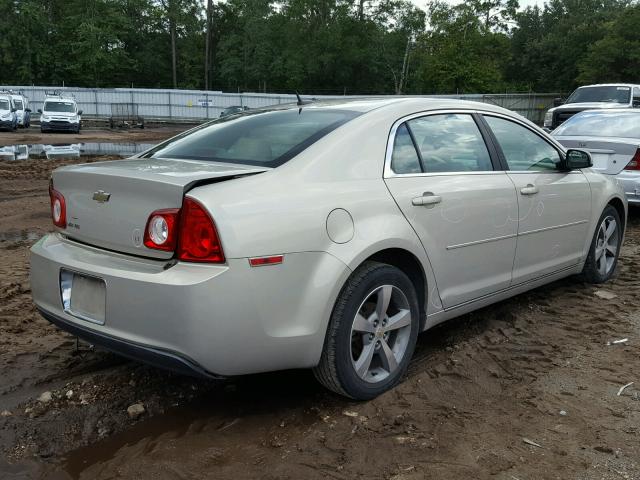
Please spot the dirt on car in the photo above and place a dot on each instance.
(545, 385)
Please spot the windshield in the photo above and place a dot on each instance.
(602, 124)
(267, 137)
(18, 104)
(609, 94)
(4, 105)
(67, 107)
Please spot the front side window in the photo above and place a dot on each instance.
(608, 94)
(258, 137)
(523, 150)
(636, 96)
(65, 107)
(450, 142)
(18, 104)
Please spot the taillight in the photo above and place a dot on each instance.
(58, 207)
(198, 239)
(634, 164)
(161, 231)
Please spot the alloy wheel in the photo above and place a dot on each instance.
(380, 333)
(607, 245)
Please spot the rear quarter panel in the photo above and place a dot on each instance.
(285, 210)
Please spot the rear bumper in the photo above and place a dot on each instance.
(630, 182)
(167, 360)
(229, 319)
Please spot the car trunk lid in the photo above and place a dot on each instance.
(108, 203)
(609, 156)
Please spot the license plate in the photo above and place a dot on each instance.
(83, 296)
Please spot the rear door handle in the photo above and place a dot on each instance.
(427, 198)
(529, 190)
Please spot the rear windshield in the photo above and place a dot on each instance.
(602, 124)
(609, 94)
(66, 107)
(18, 104)
(264, 138)
(4, 105)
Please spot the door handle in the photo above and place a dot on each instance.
(427, 198)
(529, 190)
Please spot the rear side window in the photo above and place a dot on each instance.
(450, 143)
(264, 138)
(404, 158)
(523, 150)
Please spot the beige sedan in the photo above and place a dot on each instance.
(321, 235)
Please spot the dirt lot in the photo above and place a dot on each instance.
(525, 389)
(33, 135)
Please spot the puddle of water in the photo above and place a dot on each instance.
(224, 427)
(71, 150)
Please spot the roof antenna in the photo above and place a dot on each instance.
(300, 101)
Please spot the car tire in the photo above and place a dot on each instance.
(605, 247)
(362, 356)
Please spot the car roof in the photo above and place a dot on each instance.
(611, 85)
(610, 111)
(410, 104)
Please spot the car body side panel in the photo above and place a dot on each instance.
(552, 223)
(470, 236)
(604, 189)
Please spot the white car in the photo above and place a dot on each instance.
(60, 113)
(322, 235)
(613, 139)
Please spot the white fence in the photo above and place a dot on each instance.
(198, 105)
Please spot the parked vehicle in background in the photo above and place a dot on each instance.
(613, 139)
(8, 117)
(323, 235)
(60, 113)
(589, 97)
(233, 109)
(23, 112)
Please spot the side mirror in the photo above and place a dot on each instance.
(39, 110)
(636, 103)
(14, 109)
(27, 110)
(557, 102)
(79, 112)
(576, 159)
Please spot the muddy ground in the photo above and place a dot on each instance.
(526, 389)
(32, 135)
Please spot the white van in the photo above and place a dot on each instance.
(60, 113)
(8, 117)
(23, 112)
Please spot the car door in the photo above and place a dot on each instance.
(554, 206)
(442, 176)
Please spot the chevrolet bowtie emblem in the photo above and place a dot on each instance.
(101, 196)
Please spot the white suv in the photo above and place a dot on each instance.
(60, 113)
